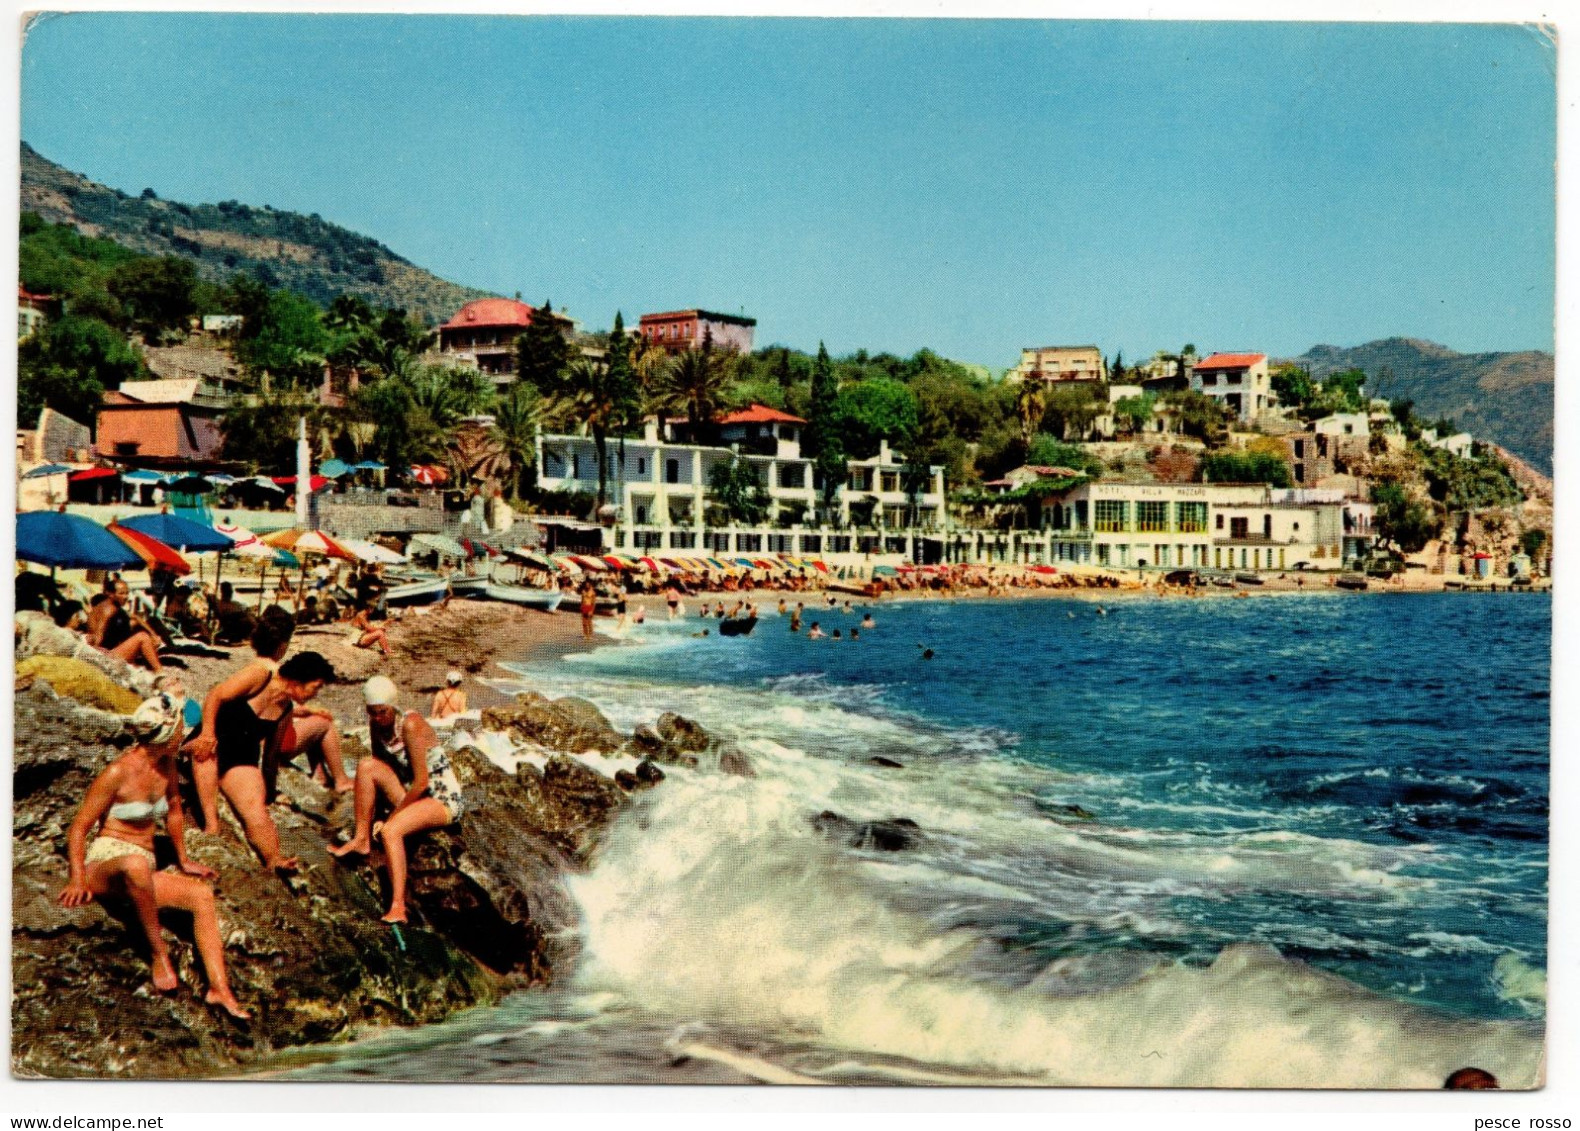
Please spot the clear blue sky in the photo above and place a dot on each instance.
(972, 186)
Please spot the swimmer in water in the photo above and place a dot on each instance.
(815, 633)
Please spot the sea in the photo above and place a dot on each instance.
(1293, 841)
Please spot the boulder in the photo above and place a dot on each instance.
(680, 735)
(892, 835)
(571, 726)
(76, 679)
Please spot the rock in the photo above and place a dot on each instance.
(732, 761)
(571, 726)
(81, 681)
(649, 774)
(886, 763)
(893, 835)
(680, 735)
(646, 742)
(626, 780)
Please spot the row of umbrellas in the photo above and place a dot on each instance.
(586, 563)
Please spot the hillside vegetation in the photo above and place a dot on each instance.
(306, 254)
(1505, 398)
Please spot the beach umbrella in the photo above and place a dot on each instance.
(314, 482)
(69, 541)
(648, 563)
(1042, 569)
(368, 465)
(591, 565)
(747, 562)
(334, 468)
(428, 475)
(222, 480)
(763, 564)
(613, 562)
(300, 542)
(818, 565)
(48, 469)
(182, 533)
(449, 547)
(188, 485)
(568, 563)
(150, 551)
(372, 551)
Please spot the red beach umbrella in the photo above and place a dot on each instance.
(151, 550)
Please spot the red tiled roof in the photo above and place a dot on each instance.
(491, 312)
(1230, 361)
(759, 414)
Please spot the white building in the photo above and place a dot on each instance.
(660, 489)
(1192, 525)
(1459, 444)
(1054, 364)
(1238, 381)
(1343, 424)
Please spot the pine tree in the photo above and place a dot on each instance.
(541, 351)
(820, 440)
(783, 372)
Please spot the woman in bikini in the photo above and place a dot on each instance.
(365, 634)
(413, 772)
(449, 700)
(311, 730)
(248, 734)
(589, 609)
(133, 792)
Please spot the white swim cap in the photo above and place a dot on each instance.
(380, 691)
(454, 677)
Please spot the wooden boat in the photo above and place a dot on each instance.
(737, 626)
(545, 600)
(1352, 581)
(469, 586)
(417, 593)
(1248, 578)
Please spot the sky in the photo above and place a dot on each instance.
(973, 187)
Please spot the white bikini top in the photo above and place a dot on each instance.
(140, 810)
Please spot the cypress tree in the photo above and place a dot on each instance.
(541, 352)
(821, 441)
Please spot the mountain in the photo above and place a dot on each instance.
(1506, 398)
(284, 249)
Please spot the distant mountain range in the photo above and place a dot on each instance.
(285, 249)
(1506, 398)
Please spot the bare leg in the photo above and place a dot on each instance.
(244, 786)
(320, 739)
(132, 875)
(205, 775)
(373, 777)
(139, 646)
(419, 815)
(187, 893)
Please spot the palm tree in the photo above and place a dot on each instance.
(1031, 401)
(698, 379)
(516, 420)
(597, 401)
(652, 365)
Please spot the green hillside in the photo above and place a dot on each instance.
(283, 249)
(1503, 397)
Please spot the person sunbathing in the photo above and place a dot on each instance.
(112, 629)
(249, 734)
(449, 700)
(124, 801)
(412, 770)
(365, 634)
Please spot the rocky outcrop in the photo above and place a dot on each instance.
(38, 635)
(894, 834)
(307, 953)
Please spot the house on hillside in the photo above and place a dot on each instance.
(1459, 444)
(482, 335)
(680, 330)
(1055, 364)
(165, 424)
(1026, 474)
(1238, 381)
(32, 311)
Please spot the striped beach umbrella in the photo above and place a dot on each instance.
(150, 550)
(69, 541)
(300, 542)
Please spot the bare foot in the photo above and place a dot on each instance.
(396, 914)
(360, 847)
(345, 785)
(222, 997)
(164, 975)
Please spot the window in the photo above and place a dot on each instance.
(1209, 379)
(1239, 528)
(749, 543)
(641, 515)
(1152, 517)
(1162, 553)
(641, 465)
(1220, 522)
(1112, 515)
(1102, 553)
(811, 543)
(1192, 518)
(1300, 449)
(1267, 526)
(889, 481)
(576, 466)
(671, 471)
(792, 476)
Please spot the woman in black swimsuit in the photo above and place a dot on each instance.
(247, 735)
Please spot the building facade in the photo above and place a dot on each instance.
(161, 424)
(660, 489)
(483, 334)
(1053, 364)
(1228, 526)
(680, 330)
(32, 311)
(1237, 381)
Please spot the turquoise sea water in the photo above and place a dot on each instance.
(1293, 840)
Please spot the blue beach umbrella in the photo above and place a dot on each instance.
(48, 469)
(368, 465)
(182, 533)
(70, 541)
(333, 468)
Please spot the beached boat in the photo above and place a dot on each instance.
(545, 600)
(469, 586)
(417, 593)
(1248, 578)
(1353, 581)
(737, 626)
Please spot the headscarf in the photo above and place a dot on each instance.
(157, 720)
